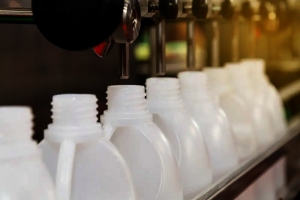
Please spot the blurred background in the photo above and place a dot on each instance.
(32, 70)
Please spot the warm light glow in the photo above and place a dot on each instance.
(272, 16)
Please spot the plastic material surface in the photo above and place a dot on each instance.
(211, 120)
(85, 164)
(267, 94)
(241, 85)
(235, 109)
(23, 174)
(165, 103)
(142, 144)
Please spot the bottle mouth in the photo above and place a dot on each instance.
(162, 83)
(192, 79)
(163, 93)
(15, 111)
(218, 79)
(15, 121)
(238, 76)
(125, 102)
(162, 89)
(255, 67)
(73, 98)
(119, 88)
(74, 109)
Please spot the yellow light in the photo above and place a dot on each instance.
(272, 16)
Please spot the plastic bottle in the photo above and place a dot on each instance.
(169, 114)
(82, 160)
(142, 144)
(267, 93)
(23, 175)
(241, 85)
(211, 120)
(235, 109)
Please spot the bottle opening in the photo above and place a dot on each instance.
(163, 92)
(15, 121)
(74, 109)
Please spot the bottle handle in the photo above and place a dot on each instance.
(108, 130)
(65, 170)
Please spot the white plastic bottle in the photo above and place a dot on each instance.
(235, 109)
(268, 94)
(142, 144)
(212, 121)
(82, 160)
(23, 175)
(169, 114)
(241, 85)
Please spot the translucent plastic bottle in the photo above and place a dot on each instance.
(267, 93)
(235, 109)
(82, 160)
(23, 175)
(241, 85)
(212, 121)
(169, 114)
(142, 144)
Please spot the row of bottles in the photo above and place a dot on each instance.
(188, 133)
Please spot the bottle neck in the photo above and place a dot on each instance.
(126, 102)
(15, 123)
(194, 89)
(15, 133)
(74, 116)
(74, 110)
(200, 94)
(218, 90)
(259, 81)
(239, 78)
(163, 93)
(218, 80)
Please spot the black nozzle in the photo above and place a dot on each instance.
(227, 9)
(246, 10)
(200, 9)
(168, 9)
(263, 10)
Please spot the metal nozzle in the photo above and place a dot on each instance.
(190, 44)
(160, 48)
(124, 52)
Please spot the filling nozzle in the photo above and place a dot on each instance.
(105, 47)
(124, 52)
(192, 9)
(160, 47)
(125, 34)
(214, 14)
(190, 44)
(215, 53)
(157, 42)
(159, 10)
